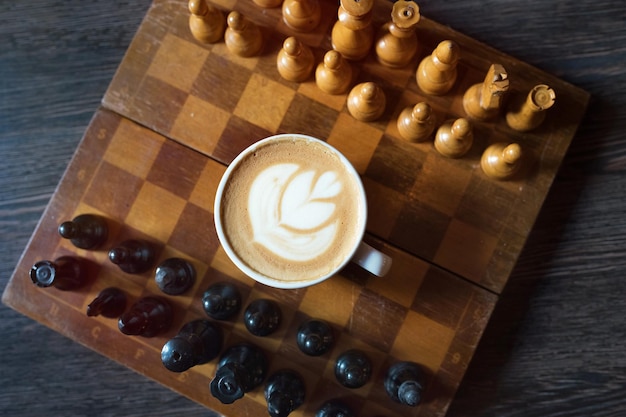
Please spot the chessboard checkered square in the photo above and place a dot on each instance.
(151, 216)
(203, 194)
(177, 62)
(200, 124)
(413, 340)
(194, 233)
(177, 178)
(358, 147)
(164, 111)
(310, 117)
(113, 190)
(331, 300)
(310, 89)
(237, 136)
(383, 207)
(264, 102)
(222, 88)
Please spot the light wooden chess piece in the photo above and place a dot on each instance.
(334, 74)
(268, 4)
(352, 35)
(295, 60)
(397, 43)
(454, 138)
(501, 161)
(302, 15)
(206, 23)
(366, 101)
(482, 101)
(436, 74)
(416, 123)
(528, 114)
(242, 36)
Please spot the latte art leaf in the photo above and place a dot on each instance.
(292, 211)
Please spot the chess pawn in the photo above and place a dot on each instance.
(221, 301)
(268, 4)
(197, 342)
(405, 383)
(454, 138)
(501, 161)
(530, 113)
(397, 42)
(85, 231)
(366, 102)
(315, 337)
(65, 273)
(284, 392)
(482, 101)
(352, 35)
(148, 317)
(295, 60)
(334, 74)
(242, 37)
(110, 303)
(353, 369)
(302, 15)
(174, 276)
(416, 123)
(262, 317)
(241, 368)
(436, 74)
(334, 408)
(133, 256)
(206, 22)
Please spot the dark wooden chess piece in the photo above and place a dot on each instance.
(353, 368)
(197, 342)
(262, 317)
(315, 337)
(334, 408)
(133, 256)
(284, 392)
(241, 368)
(110, 302)
(221, 301)
(148, 317)
(85, 231)
(175, 276)
(65, 273)
(405, 383)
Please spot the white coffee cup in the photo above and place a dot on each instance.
(290, 212)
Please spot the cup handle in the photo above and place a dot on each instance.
(372, 260)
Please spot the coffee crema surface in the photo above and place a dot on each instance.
(291, 210)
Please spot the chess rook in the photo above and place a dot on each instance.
(242, 37)
(366, 102)
(262, 317)
(352, 35)
(405, 383)
(284, 392)
(133, 256)
(302, 15)
(197, 342)
(241, 368)
(148, 317)
(437, 73)
(221, 301)
(110, 303)
(206, 23)
(417, 123)
(295, 60)
(66, 273)
(454, 138)
(85, 231)
(501, 161)
(397, 43)
(334, 74)
(353, 368)
(174, 276)
(527, 114)
(482, 101)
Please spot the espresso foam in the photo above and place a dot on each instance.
(289, 210)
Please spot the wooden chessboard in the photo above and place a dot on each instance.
(177, 112)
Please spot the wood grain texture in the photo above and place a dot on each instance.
(556, 340)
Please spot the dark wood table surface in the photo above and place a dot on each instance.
(556, 343)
